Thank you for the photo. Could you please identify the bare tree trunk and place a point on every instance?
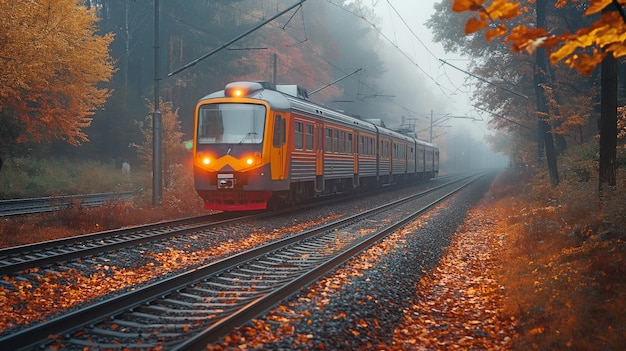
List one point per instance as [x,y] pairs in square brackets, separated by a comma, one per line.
[608,123]
[545,139]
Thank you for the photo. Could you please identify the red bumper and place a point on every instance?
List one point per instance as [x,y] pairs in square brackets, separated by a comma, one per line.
[235,200]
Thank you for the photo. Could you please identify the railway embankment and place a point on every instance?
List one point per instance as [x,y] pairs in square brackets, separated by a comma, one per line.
[562,261]
[528,267]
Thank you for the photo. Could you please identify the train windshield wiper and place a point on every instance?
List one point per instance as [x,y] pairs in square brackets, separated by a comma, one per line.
[251,135]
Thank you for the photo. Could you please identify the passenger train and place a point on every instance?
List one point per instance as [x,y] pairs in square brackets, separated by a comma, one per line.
[260,145]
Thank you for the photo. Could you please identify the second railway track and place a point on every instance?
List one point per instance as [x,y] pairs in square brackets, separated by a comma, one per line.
[194,308]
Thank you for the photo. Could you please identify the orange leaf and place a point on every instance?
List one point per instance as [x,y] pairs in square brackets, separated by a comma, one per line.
[596,6]
[502,9]
[474,25]
[497,32]
[467,5]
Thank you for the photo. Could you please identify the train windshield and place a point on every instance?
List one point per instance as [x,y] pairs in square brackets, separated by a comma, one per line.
[231,124]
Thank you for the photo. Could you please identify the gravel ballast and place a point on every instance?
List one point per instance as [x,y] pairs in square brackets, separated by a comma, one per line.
[393,297]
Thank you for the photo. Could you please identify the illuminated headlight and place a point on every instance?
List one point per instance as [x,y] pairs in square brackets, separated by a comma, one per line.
[251,160]
[203,159]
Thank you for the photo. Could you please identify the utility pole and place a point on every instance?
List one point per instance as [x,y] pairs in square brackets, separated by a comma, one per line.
[275,57]
[157,179]
[430,140]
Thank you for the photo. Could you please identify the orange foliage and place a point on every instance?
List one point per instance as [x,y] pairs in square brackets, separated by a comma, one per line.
[604,36]
[50,63]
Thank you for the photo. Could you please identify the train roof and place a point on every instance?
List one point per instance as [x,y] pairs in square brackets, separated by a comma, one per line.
[287,97]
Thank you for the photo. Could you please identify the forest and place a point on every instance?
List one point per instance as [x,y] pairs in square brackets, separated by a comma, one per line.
[311,46]
[77,81]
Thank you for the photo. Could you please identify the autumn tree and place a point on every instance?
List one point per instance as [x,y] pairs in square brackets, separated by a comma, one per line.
[173,149]
[51,61]
[601,41]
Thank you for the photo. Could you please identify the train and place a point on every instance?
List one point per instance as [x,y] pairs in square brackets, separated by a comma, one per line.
[259,145]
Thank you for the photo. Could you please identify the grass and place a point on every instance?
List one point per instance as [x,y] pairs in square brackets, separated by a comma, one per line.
[32,178]
[29,177]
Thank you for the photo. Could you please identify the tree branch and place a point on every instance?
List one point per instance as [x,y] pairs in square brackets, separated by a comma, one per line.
[620,9]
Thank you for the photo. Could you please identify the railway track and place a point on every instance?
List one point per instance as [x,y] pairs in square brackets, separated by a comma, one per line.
[194,308]
[14,207]
[18,258]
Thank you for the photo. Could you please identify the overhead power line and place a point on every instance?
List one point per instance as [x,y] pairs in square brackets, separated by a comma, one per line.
[194,62]
[486,81]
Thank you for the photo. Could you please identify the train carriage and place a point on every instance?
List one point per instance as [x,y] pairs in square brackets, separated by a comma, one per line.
[256,144]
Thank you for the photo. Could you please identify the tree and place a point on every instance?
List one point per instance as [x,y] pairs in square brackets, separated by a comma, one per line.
[545,141]
[601,41]
[50,64]
[173,151]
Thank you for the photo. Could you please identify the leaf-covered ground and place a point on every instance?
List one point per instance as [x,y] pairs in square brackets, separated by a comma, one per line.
[458,304]
[523,272]
[517,275]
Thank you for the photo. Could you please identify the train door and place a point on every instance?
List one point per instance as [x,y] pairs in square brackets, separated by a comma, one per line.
[319,156]
[278,154]
[377,151]
[390,155]
[354,140]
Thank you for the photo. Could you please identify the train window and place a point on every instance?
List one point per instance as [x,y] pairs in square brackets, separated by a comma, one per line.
[231,123]
[349,144]
[336,142]
[342,142]
[329,140]
[297,137]
[361,145]
[309,137]
[279,131]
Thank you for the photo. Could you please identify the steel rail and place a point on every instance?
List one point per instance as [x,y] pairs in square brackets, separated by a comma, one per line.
[265,303]
[67,324]
[12,207]
[18,258]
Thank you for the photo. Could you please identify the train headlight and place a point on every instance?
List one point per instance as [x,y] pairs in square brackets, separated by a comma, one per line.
[238,92]
[203,159]
[251,160]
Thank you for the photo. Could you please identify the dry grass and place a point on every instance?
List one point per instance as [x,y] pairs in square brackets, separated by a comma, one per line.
[564,265]
[179,200]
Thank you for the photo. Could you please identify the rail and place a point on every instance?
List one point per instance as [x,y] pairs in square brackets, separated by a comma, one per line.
[14,207]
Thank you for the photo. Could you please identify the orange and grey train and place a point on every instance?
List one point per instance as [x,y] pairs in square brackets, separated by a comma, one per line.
[260,145]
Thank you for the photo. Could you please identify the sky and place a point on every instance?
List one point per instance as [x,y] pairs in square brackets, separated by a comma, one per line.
[444,89]
[447,90]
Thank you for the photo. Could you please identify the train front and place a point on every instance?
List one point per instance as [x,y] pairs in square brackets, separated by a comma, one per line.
[232,155]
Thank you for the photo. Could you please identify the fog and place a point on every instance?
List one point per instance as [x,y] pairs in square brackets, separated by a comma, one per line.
[418,89]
